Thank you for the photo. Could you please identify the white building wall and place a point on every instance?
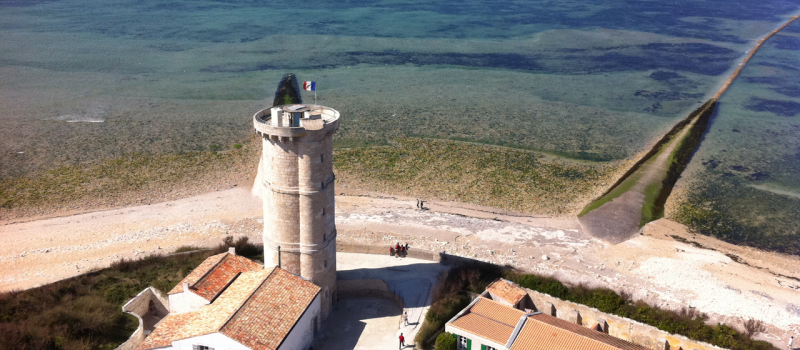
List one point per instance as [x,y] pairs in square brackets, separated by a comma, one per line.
[217,341]
[185,301]
[302,334]
[476,340]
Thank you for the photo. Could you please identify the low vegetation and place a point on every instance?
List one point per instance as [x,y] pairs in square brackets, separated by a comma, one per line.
[84,312]
[445,341]
[456,290]
[494,176]
[132,179]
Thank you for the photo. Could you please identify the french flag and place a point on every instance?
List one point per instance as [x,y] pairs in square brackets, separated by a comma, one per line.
[310,85]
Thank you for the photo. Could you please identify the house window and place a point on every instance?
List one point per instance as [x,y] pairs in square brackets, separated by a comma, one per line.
[201,347]
[490,348]
[463,343]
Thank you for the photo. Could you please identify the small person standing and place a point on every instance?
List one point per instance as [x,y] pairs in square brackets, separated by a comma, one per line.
[402,341]
[405,318]
[791,340]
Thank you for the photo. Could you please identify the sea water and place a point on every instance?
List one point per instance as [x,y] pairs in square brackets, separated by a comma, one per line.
[591,79]
[746,173]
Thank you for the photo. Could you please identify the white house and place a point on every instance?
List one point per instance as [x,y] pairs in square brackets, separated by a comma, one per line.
[493,322]
[227,303]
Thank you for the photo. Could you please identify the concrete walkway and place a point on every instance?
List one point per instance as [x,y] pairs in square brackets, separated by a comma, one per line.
[370,320]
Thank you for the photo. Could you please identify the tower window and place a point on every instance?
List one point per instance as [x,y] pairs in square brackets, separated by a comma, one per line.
[322,185]
[325,263]
[321,158]
[323,211]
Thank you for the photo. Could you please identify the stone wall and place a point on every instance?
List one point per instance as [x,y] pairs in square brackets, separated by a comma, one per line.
[384,250]
[619,327]
[138,307]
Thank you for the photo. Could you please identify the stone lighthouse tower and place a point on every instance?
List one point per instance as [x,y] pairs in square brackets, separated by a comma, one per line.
[297,180]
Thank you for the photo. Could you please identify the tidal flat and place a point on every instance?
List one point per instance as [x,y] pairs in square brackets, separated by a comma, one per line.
[742,184]
[86,82]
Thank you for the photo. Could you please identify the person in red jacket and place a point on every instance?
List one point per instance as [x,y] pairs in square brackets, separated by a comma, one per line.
[402,341]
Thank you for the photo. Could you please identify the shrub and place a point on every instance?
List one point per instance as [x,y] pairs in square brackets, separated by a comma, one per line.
[445,341]
[451,295]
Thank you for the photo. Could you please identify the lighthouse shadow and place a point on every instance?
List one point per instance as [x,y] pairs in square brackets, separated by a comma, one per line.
[410,282]
[364,323]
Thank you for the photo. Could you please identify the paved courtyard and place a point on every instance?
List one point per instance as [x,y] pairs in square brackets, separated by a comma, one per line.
[373,323]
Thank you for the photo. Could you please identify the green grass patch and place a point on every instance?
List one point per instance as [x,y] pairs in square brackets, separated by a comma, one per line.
[649,210]
[130,179]
[616,192]
[187,248]
[84,312]
[473,173]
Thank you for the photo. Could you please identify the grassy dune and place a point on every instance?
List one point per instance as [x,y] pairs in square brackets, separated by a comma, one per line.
[473,173]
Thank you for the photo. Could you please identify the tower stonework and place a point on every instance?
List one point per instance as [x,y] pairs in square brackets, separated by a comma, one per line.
[297,186]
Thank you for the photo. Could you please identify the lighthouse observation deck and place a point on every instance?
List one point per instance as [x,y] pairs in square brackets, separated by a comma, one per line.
[295,121]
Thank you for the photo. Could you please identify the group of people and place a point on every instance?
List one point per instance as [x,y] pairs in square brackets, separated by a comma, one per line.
[398,250]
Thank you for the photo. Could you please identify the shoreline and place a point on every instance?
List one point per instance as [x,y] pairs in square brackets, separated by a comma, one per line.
[654,267]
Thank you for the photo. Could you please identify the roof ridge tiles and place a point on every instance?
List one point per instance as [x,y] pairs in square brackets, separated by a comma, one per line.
[212,268]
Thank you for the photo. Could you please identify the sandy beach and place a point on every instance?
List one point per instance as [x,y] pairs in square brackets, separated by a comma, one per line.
[666,266]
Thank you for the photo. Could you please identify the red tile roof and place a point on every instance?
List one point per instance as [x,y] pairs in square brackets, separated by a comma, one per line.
[215,273]
[545,332]
[259,309]
[490,320]
[272,311]
[507,290]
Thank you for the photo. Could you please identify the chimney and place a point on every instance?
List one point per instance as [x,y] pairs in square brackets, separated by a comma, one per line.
[232,250]
[185,286]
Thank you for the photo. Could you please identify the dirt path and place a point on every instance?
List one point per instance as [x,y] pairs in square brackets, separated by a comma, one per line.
[618,220]
[653,267]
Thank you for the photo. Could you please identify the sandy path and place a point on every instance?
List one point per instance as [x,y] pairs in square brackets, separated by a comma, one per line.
[618,220]
[653,267]
[42,251]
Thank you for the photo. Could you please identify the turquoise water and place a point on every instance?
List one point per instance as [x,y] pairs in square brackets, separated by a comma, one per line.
[88,79]
[746,173]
